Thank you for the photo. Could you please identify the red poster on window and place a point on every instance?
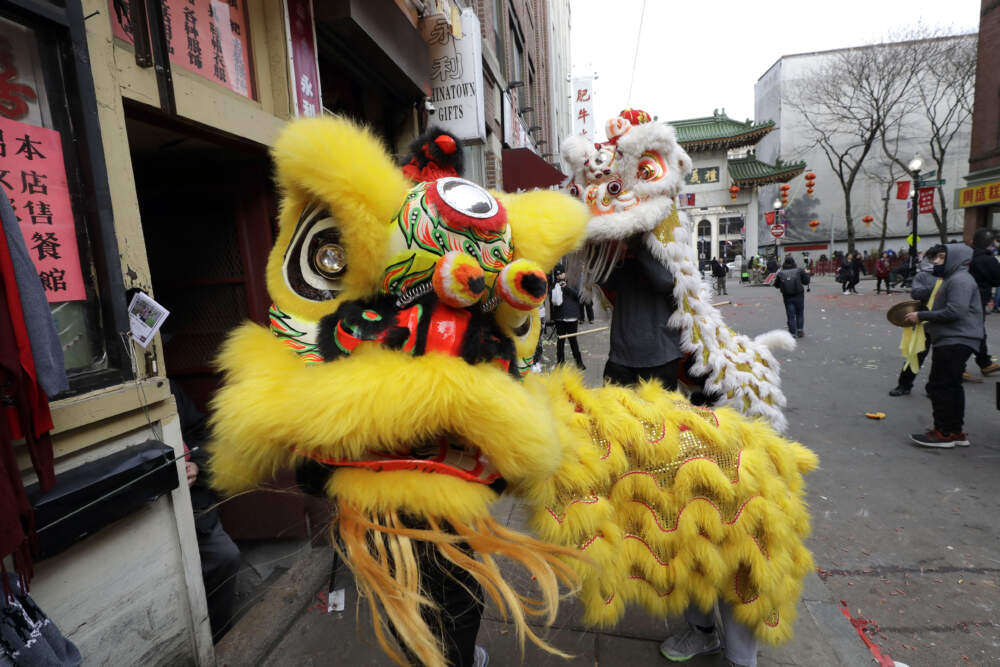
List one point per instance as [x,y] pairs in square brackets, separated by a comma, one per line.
[925,200]
[34,175]
[207,37]
[305,72]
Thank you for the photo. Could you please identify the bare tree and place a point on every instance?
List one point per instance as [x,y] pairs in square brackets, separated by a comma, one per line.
[849,101]
[946,92]
[941,106]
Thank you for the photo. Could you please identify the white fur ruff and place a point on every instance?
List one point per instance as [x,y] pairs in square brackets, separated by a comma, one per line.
[702,330]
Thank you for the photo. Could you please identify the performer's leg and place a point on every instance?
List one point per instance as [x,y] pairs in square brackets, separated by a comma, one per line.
[618,374]
[790,314]
[666,374]
[574,346]
[698,638]
[799,301]
[739,640]
[561,328]
[459,600]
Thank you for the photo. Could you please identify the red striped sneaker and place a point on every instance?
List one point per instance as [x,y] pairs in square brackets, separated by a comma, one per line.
[960,439]
[933,438]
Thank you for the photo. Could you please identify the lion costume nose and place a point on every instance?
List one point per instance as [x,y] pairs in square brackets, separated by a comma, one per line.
[458,280]
[522,284]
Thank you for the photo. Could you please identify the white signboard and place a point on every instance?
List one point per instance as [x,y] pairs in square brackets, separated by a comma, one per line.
[583,106]
[457,77]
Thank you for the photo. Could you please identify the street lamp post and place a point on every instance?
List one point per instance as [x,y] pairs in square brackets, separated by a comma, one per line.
[777,239]
[914,166]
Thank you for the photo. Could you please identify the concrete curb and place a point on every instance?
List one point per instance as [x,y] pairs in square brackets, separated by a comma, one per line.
[824,612]
[259,631]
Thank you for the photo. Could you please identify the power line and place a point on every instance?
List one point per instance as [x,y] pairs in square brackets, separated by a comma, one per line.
[635,59]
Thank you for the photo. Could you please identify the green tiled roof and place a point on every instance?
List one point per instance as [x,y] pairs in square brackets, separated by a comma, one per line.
[749,171]
[719,132]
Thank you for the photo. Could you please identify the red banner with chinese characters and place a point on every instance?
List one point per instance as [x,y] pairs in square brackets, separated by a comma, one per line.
[925,200]
[207,37]
[34,175]
[305,72]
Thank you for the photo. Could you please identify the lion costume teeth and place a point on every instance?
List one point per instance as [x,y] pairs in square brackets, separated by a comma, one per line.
[415,413]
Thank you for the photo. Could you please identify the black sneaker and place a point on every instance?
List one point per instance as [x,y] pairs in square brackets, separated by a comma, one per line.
[899,391]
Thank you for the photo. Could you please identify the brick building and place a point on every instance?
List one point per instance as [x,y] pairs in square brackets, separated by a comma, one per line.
[981,197]
[520,68]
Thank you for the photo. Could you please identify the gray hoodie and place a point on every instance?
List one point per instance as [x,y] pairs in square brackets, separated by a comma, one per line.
[957,317]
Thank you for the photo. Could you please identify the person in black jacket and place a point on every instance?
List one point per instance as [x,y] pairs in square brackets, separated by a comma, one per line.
[220,557]
[986,270]
[792,282]
[719,271]
[566,314]
[857,269]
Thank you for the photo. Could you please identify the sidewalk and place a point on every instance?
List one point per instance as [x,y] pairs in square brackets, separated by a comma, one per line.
[290,626]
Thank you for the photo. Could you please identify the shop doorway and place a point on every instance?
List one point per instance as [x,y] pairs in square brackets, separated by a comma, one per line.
[207,206]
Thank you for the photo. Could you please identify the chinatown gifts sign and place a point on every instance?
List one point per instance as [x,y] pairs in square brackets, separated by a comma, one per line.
[456,51]
[33,174]
[305,69]
[925,200]
[583,107]
[207,37]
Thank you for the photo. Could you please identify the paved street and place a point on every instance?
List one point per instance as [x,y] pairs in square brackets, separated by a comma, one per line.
[906,537]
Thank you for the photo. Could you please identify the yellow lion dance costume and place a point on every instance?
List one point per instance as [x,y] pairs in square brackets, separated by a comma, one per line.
[402,329]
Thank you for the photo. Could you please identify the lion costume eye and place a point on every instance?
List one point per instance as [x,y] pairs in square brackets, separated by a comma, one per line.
[615,187]
[315,261]
[328,259]
[651,167]
[574,190]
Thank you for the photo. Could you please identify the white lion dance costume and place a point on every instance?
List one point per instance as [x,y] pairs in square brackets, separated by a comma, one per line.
[630,184]
[396,364]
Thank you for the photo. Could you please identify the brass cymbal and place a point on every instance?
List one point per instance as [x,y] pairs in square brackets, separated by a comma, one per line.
[897,312]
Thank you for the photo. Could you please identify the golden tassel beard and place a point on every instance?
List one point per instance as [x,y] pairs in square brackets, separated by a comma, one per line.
[380,550]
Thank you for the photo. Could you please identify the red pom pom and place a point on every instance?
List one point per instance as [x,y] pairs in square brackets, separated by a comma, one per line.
[446,144]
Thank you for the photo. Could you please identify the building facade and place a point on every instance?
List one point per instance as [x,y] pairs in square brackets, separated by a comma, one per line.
[160,126]
[721,194]
[980,199]
[873,194]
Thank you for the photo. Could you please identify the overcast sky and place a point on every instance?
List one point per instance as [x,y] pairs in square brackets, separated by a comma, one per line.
[700,55]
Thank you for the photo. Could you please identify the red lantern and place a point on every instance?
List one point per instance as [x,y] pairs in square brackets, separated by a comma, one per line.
[734,190]
[867,220]
[814,223]
[811,176]
[785,187]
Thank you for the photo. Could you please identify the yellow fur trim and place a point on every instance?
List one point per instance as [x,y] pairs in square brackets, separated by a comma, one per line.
[413,493]
[545,224]
[374,400]
[346,168]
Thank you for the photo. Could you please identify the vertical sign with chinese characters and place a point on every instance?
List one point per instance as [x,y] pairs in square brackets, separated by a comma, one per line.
[583,107]
[34,176]
[925,200]
[457,76]
[207,37]
[302,48]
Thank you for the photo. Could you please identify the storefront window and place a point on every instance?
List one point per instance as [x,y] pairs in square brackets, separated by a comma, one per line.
[34,176]
[208,37]
[48,175]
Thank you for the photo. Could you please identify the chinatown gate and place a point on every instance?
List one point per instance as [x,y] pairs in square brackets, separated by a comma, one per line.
[725,217]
